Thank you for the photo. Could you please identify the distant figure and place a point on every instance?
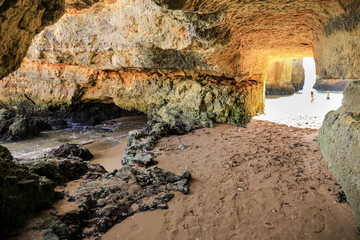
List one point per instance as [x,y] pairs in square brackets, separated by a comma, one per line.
[312,96]
[327,95]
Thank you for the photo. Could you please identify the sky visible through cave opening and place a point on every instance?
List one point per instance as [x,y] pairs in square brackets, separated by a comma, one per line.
[302,110]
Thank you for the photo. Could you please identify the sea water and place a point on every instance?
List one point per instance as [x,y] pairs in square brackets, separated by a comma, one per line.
[113,132]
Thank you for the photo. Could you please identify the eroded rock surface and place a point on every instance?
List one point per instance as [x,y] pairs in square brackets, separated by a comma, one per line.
[285,77]
[21,193]
[164,95]
[20,21]
[103,199]
[339,139]
[337,47]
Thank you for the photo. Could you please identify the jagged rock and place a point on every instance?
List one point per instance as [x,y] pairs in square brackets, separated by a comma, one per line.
[26,127]
[22,193]
[179,100]
[20,21]
[16,127]
[339,140]
[141,159]
[111,198]
[70,151]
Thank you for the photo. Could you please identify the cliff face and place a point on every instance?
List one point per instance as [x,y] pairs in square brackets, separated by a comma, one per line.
[337,49]
[285,77]
[19,22]
[165,95]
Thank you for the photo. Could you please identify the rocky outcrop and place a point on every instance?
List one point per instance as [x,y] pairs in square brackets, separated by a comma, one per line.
[164,95]
[285,77]
[15,126]
[330,85]
[236,38]
[22,193]
[337,47]
[339,139]
[103,199]
[20,21]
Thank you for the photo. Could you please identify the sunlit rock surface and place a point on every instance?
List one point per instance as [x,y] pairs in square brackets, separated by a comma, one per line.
[339,139]
[337,48]
[285,77]
[165,95]
[19,22]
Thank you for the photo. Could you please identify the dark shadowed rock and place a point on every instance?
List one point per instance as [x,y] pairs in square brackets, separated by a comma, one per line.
[21,193]
[70,151]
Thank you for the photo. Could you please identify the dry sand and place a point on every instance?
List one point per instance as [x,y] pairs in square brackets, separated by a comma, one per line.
[265,181]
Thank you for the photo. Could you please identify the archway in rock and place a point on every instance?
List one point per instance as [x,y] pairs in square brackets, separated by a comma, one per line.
[304,107]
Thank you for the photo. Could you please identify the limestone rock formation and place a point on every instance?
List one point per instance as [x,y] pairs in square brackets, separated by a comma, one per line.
[165,95]
[330,85]
[285,77]
[337,48]
[20,21]
[339,139]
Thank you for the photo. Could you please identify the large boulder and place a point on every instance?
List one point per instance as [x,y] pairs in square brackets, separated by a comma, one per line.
[21,193]
[339,139]
[17,127]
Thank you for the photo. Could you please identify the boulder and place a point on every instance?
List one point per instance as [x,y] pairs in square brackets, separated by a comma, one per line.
[70,151]
[339,140]
[21,193]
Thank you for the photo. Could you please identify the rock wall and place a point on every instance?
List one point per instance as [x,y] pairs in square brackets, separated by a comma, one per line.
[337,48]
[165,95]
[339,139]
[285,77]
[125,33]
[19,22]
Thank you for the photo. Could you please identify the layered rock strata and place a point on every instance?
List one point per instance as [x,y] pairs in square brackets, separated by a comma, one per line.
[285,77]
[339,139]
[195,98]
[20,21]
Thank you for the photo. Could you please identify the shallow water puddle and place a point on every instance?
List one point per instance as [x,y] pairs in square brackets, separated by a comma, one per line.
[112,132]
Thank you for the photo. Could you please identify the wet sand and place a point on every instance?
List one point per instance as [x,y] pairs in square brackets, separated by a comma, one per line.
[265,181]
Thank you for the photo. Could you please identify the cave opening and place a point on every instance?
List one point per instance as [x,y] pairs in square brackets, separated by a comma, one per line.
[304,105]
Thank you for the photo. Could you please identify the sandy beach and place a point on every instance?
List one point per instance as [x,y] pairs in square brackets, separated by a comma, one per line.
[265,181]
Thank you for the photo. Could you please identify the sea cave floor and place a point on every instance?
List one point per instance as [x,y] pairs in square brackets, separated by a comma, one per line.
[265,181]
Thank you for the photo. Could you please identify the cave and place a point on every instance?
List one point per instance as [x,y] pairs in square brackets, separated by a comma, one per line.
[201,71]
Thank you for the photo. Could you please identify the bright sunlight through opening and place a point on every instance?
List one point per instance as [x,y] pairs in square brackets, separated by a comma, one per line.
[306,108]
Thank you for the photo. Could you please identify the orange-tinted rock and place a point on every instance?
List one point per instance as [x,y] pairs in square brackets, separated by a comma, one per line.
[165,95]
